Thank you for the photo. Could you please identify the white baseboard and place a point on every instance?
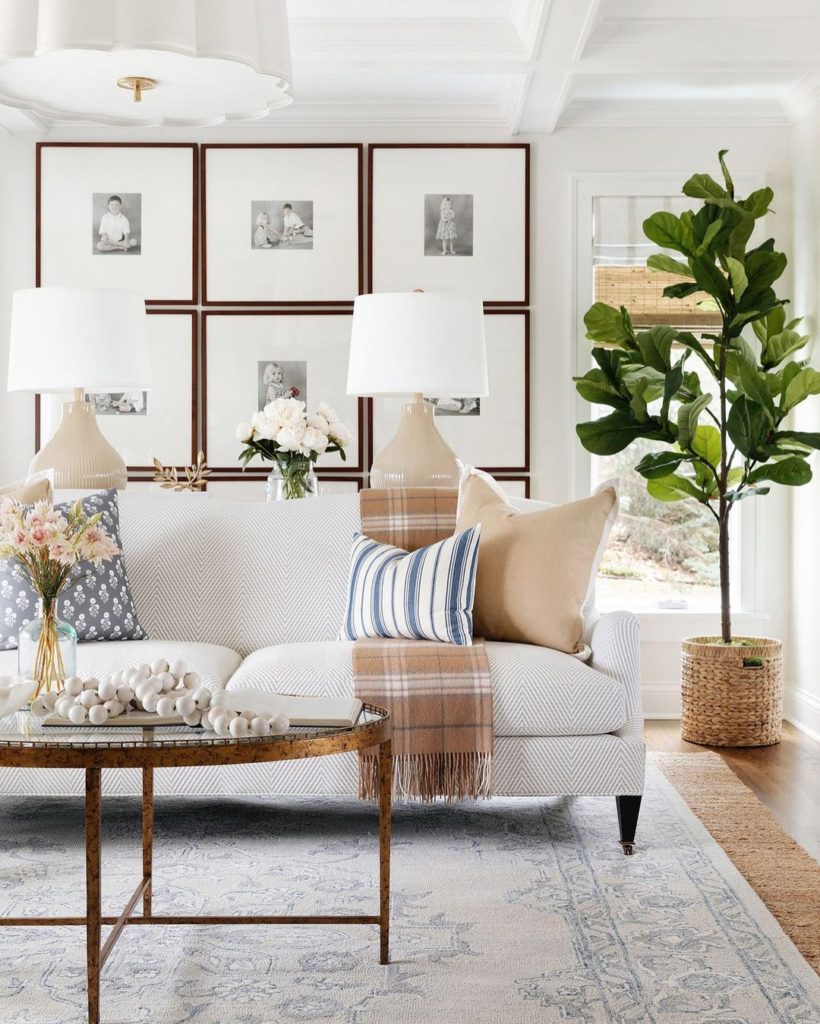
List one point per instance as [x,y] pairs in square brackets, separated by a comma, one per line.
[802,709]
[661,700]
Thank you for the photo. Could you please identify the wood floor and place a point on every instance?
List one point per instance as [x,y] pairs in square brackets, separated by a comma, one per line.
[785,777]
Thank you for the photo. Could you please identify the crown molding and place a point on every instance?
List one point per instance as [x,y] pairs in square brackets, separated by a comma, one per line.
[671,113]
[803,98]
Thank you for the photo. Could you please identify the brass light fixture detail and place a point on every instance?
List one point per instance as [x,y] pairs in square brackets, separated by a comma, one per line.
[136,84]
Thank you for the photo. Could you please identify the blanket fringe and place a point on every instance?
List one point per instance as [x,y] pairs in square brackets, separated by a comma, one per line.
[425,777]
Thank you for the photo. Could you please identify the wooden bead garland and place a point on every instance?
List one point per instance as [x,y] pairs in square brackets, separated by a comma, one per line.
[161,688]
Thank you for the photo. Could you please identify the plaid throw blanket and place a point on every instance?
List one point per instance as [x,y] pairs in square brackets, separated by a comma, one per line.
[439,695]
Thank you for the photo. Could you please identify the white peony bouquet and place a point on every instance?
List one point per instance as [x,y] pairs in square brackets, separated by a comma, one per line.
[284,433]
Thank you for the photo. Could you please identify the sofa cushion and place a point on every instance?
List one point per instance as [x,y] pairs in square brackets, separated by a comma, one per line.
[535,571]
[425,594]
[97,601]
[240,573]
[215,664]
[536,691]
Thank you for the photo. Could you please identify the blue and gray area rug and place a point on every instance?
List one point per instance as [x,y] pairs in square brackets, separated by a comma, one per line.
[509,912]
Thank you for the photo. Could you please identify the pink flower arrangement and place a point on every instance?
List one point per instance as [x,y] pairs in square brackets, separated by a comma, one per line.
[47,544]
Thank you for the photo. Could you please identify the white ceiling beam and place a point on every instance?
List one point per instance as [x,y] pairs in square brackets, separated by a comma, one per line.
[626,45]
[569,27]
[408,44]
[684,113]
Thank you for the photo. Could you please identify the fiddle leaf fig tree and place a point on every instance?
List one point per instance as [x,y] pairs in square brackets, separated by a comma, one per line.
[729,439]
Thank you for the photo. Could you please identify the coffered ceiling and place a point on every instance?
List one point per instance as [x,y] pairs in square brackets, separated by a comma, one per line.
[542,65]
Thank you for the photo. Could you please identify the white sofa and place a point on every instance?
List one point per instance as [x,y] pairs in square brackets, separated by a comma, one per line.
[252,595]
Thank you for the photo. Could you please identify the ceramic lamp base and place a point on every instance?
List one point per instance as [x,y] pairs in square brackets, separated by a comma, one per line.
[79,455]
[418,456]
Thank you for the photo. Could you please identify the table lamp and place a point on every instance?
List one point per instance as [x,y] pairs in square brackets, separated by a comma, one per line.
[424,344]
[85,339]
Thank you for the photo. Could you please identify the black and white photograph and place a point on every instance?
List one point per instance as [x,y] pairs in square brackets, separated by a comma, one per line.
[448,224]
[284,225]
[304,199]
[450,217]
[98,202]
[250,358]
[455,406]
[117,223]
[119,403]
[285,378]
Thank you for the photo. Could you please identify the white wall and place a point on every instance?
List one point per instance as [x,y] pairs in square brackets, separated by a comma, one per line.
[803,697]
[554,445]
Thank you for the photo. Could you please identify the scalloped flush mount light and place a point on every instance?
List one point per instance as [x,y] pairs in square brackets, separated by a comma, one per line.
[145,62]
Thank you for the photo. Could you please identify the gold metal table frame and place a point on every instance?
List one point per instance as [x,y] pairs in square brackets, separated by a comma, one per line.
[149,752]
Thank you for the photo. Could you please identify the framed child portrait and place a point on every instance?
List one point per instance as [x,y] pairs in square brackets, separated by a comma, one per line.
[450,217]
[252,357]
[282,224]
[160,422]
[119,215]
[491,432]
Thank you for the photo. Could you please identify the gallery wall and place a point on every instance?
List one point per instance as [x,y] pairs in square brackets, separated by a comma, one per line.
[555,452]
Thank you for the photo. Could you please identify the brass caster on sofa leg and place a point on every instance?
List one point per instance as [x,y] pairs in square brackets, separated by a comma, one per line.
[628,848]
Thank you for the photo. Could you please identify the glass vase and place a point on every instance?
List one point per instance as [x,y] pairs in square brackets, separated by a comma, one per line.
[47,650]
[294,480]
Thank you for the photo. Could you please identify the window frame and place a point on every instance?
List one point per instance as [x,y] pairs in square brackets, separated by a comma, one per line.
[746,581]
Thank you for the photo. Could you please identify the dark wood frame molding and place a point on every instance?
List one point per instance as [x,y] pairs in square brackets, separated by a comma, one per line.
[525,146]
[193,146]
[227,472]
[135,471]
[505,471]
[323,476]
[516,477]
[358,146]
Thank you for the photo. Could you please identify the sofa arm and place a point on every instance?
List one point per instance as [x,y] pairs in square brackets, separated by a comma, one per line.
[616,651]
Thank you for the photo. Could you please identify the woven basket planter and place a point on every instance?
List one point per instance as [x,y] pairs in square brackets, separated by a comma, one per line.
[731,696]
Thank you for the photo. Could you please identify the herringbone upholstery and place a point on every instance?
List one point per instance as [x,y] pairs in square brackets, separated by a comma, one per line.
[242,574]
[536,692]
[246,576]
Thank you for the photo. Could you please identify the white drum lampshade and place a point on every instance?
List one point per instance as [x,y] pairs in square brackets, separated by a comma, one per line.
[421,344]
[80,339]
[184,62]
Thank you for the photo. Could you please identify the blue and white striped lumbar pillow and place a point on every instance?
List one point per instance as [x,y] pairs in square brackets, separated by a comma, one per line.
[419,595]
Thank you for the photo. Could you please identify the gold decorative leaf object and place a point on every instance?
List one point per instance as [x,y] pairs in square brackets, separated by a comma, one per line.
[196,476]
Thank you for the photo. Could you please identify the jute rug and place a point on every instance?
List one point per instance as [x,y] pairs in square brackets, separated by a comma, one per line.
[504,912]
[780,871]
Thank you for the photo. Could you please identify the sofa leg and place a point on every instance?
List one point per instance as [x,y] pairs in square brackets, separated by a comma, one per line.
[629,807]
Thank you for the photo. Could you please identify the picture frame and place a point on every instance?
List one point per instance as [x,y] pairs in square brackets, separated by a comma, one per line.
[492,433]
[159,423]
[515,486]
[310,347]
[282,224]
[450,217]
[119,215]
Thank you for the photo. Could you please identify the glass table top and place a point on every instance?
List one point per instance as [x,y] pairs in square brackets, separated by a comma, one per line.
[24,730]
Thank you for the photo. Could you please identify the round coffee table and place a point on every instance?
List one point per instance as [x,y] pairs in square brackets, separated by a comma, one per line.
[26,743]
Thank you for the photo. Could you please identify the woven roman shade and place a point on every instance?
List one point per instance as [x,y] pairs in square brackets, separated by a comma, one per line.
[641,291]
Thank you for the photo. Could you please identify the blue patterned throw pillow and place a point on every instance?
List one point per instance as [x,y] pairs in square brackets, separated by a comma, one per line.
[420,595]
[97,601]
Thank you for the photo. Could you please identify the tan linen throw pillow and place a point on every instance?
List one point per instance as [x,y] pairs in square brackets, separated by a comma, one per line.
[534,568]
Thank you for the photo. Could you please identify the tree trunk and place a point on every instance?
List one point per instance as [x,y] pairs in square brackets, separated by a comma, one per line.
[724,507]
[725,596]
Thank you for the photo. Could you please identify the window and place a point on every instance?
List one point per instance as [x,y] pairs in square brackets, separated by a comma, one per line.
[661,555]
